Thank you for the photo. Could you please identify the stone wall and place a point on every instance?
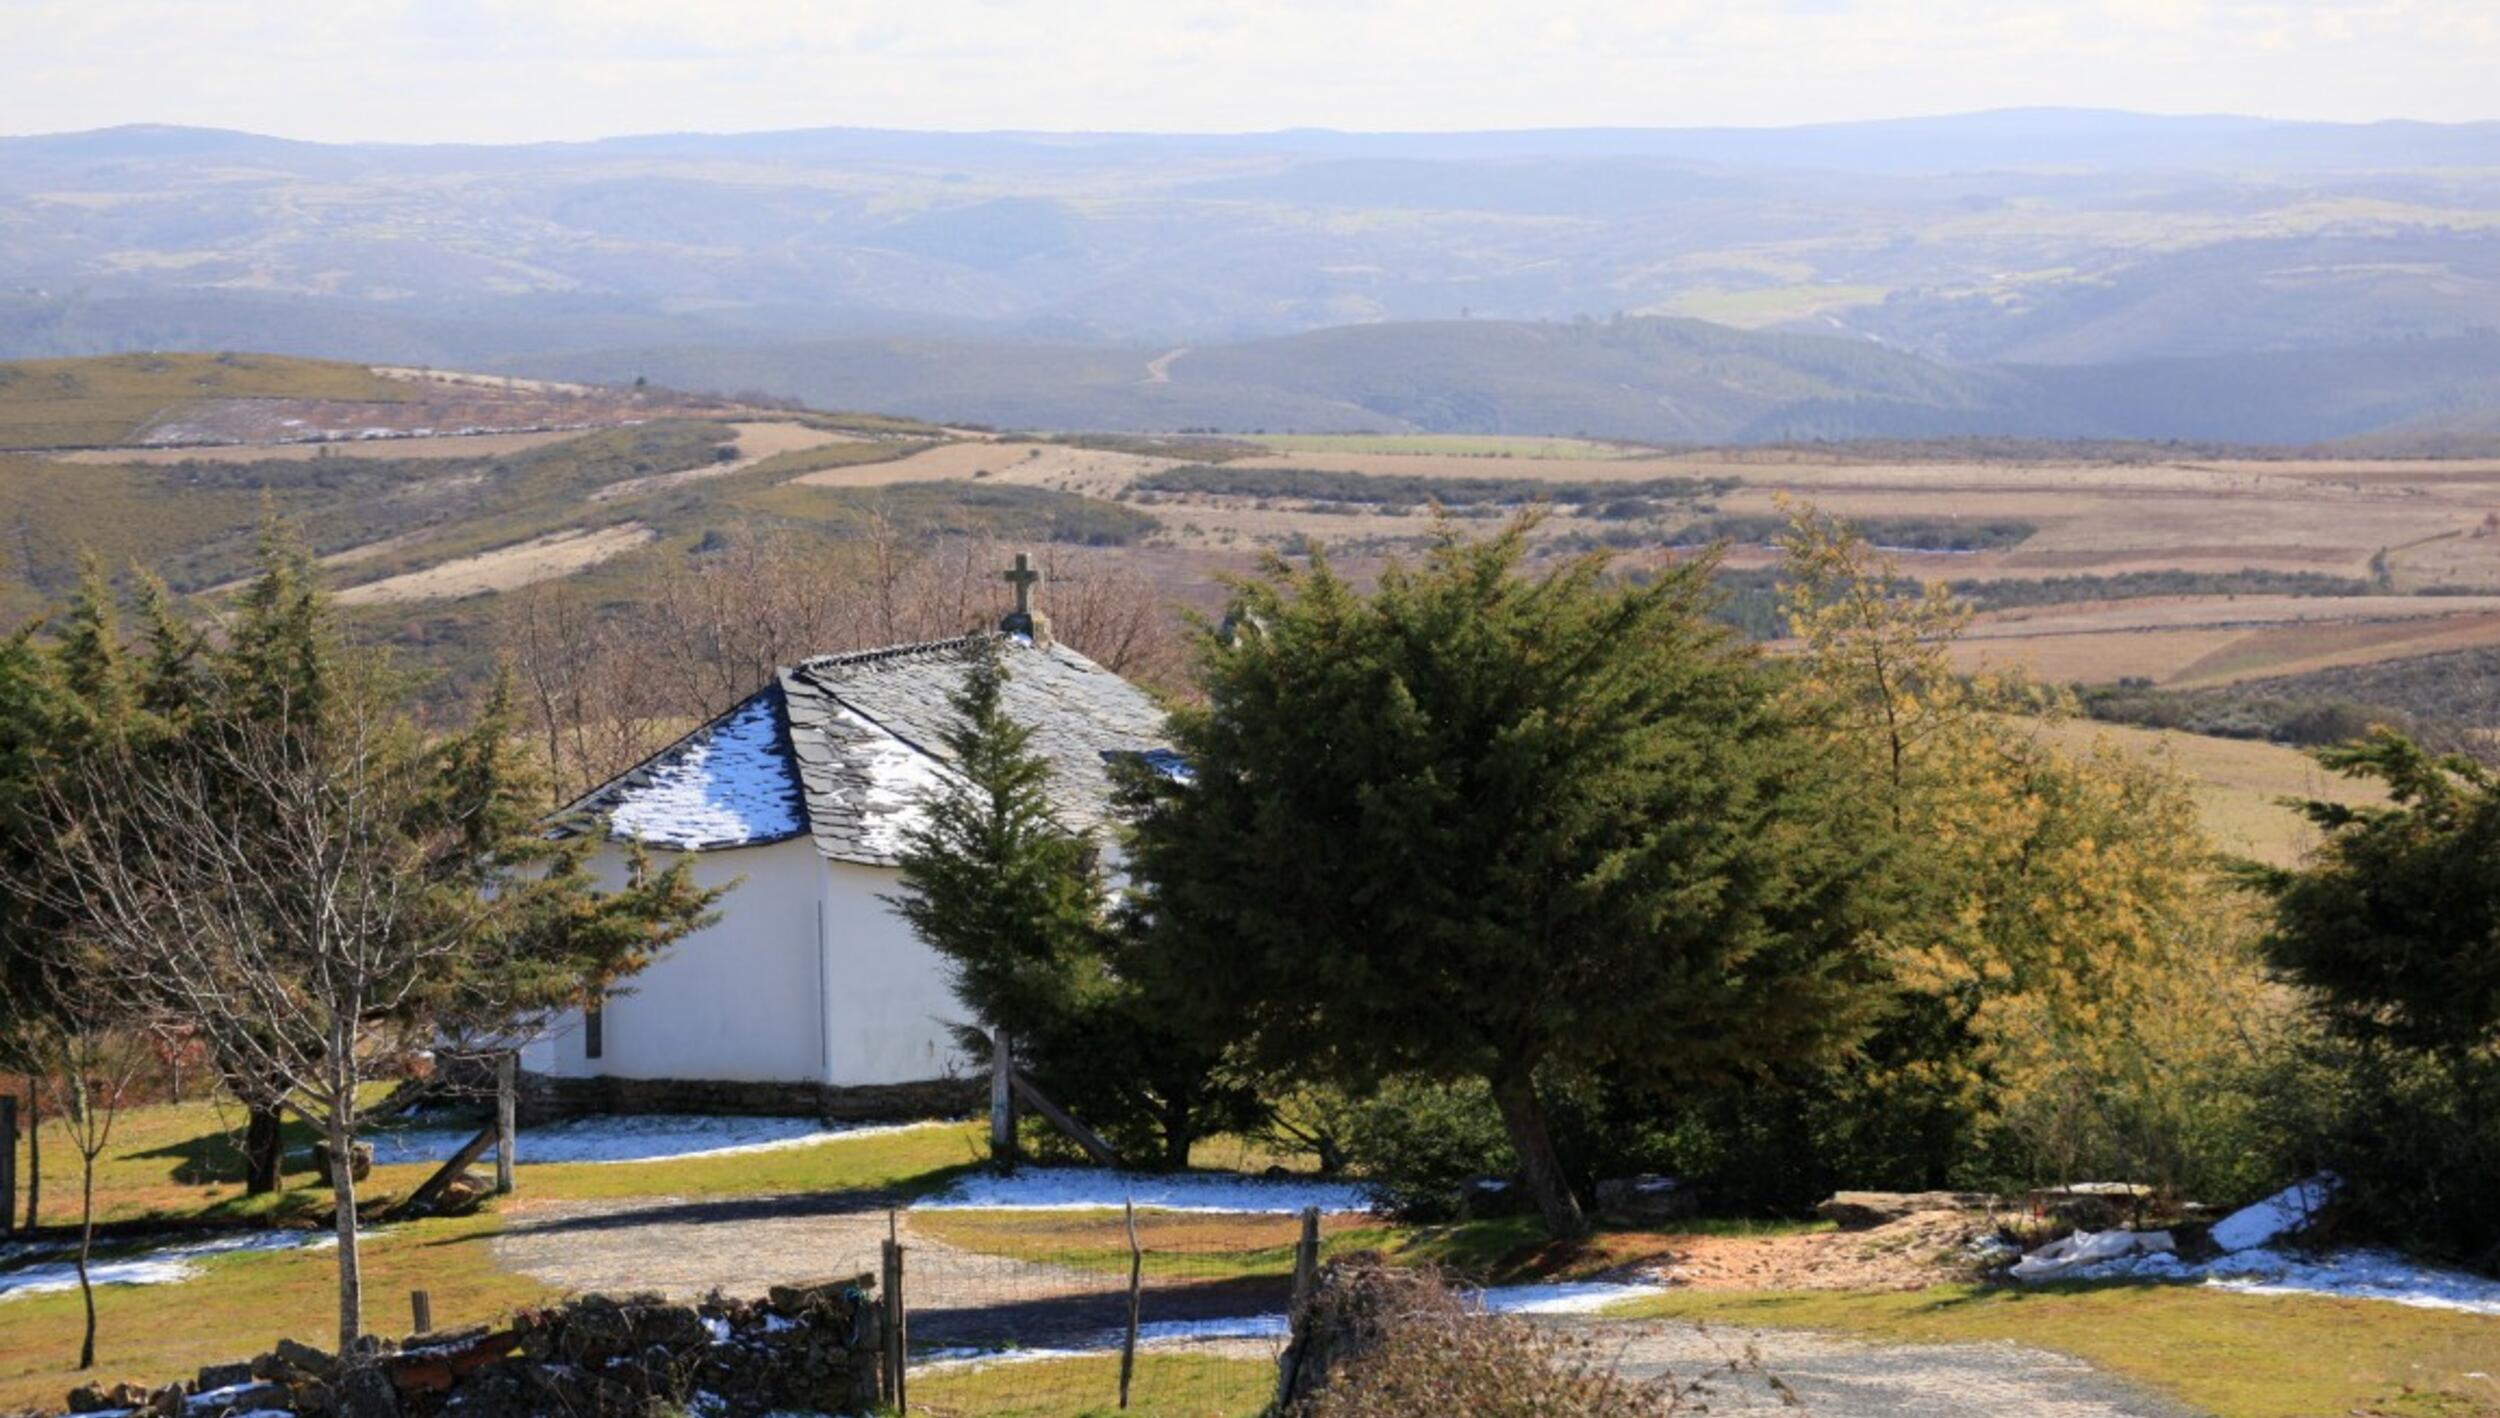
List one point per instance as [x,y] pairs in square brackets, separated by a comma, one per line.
[805,1348]
[545,1097]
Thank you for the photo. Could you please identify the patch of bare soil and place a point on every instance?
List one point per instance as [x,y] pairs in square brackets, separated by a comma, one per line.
[504,568]
[1909,1254]
[686,1248]
[1093,472]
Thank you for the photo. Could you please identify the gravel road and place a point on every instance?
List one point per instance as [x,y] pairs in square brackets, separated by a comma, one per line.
[1794,1372]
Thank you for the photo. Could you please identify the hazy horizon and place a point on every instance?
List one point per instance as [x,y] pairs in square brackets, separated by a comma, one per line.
[498,72]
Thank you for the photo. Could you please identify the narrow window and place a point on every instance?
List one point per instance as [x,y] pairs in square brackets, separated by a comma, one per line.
[594,1032]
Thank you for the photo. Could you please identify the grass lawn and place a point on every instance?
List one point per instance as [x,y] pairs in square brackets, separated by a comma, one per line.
[182,1162]
[2237,1356]
[241,1304]
[915,1161]
[1165,1385]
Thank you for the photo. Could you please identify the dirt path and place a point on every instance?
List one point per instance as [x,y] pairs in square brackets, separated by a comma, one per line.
[685,1249]
[1742,1371]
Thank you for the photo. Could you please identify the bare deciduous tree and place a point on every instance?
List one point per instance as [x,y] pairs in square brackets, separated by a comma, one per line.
[317,893]
[93,1059]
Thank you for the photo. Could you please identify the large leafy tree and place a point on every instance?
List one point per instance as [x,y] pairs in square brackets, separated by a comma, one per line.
[1018,905]
[1489,824]
[2068,971]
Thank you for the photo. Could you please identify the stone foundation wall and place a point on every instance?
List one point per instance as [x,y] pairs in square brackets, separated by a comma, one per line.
[545,1098]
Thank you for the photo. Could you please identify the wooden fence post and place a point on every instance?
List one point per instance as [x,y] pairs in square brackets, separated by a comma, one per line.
[507,1106]
[1136,1277]
[8,1164]
[1305,1260]
[897,1321]
[1002,1101]
[421,1312]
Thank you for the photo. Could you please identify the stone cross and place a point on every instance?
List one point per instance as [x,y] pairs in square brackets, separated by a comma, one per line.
[1023,578]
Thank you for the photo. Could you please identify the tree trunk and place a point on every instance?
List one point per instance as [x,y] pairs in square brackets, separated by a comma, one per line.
[34,1156]
[1177,1137]
[264,1150]
[342,1139]
[1523,1117]
[86,1247]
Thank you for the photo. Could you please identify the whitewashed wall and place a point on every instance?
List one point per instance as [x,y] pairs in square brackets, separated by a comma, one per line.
[807,977]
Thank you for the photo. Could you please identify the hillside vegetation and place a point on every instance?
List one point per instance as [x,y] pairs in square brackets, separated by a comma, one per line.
[94,403]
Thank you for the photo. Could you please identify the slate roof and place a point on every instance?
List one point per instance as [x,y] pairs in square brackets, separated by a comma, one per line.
[842,746]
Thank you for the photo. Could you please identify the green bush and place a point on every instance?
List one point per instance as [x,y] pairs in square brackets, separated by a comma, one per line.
[1421,1144]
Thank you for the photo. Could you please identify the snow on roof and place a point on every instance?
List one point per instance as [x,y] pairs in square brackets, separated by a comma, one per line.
[727,784]
[845,747]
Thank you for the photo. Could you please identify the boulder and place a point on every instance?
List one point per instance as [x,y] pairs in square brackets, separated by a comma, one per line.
[359,1162]
[106,1398]
[1645,1200]
[798,1299]
[1857,1211]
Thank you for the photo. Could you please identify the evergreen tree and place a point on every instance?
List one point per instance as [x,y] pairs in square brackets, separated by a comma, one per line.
[1017,905]
[1482,824]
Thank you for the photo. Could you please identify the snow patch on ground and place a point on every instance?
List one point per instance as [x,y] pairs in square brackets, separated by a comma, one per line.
[2289,1210]
[1092,1189]
[2350,1275]
[166,1265]
[648,1137]
[1581,1298]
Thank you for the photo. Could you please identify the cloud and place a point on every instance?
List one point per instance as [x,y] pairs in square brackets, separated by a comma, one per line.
[502,70]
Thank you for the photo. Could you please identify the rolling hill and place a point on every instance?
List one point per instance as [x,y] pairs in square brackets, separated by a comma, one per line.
[1652,379]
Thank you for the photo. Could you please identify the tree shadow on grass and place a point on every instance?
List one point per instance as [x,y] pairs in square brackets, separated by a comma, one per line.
[215,1157]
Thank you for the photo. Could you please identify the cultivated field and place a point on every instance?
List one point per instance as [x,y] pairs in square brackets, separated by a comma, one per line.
[503,569]
[2240,784]
[1089,471]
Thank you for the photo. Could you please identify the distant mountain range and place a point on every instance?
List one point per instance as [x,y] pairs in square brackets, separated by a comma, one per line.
[2041,271]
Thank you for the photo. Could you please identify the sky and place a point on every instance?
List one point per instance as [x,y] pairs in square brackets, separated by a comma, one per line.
[521,70]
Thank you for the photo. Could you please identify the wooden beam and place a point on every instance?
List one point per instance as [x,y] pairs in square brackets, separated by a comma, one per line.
[1059,1118]
[423,1198]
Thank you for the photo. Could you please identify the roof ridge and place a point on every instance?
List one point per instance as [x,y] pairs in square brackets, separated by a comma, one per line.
[891,652]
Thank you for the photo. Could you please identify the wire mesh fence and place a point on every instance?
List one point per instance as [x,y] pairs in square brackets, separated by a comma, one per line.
[1179,1315]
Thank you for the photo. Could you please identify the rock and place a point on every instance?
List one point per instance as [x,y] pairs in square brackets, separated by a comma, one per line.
[1645,1200]
[359,1161]
[169,1401]
[796,1300]
[365,1391]
[106,1398]
[1491,1196]
[237,1399]
[217,1376]
[666,1327]
[1856,1211]
[465,1194]
[302,1358]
